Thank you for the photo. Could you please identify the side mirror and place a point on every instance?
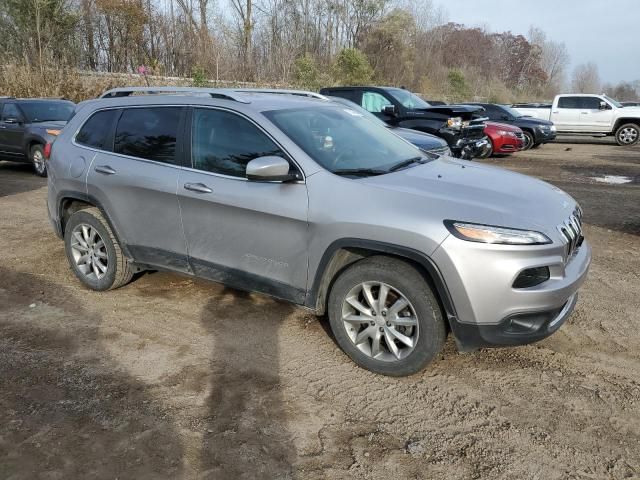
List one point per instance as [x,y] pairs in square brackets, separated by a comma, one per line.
[13,120]
[269,169]
[603,105]
[390,110]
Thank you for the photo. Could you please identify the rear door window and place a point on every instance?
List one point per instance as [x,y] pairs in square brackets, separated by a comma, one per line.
[569,102]
[96,131]
[150,133]
[10,110]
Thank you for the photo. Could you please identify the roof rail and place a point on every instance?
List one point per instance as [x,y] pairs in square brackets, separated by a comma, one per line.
[282,91]
[223,93]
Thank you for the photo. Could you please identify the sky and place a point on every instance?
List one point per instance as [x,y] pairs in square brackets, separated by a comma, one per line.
[606,32]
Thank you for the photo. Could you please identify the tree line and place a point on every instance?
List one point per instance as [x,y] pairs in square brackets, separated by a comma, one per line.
[306,43]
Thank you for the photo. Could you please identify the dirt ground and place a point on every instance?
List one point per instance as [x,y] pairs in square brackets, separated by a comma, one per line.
[171,377]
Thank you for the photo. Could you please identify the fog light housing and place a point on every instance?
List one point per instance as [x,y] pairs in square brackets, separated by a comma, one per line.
[532,277]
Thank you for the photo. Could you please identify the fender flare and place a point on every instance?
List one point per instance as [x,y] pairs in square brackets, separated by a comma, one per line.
[321,284]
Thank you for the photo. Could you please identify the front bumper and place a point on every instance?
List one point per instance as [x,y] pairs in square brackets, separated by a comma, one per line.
[489,311]
[472,148]
[544,136]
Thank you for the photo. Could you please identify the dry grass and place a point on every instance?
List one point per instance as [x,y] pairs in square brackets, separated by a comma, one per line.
[25,81]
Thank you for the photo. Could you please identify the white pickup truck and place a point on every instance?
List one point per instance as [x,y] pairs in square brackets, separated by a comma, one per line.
[597,115]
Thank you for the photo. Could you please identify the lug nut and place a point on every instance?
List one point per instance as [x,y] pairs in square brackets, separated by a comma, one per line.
[373,323]
[388,324]
[384,313]
[381,329]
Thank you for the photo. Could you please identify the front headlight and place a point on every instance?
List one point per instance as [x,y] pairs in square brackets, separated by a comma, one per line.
[553,128]
[454,122]
[474,232]
[506,133]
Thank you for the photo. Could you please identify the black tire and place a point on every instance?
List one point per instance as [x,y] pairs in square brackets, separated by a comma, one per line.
[407,280]
[118,270]
[36,155]
[529,141]
[489,152]
[628,134]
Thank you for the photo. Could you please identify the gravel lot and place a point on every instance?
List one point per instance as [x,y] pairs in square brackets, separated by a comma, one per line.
[171,377]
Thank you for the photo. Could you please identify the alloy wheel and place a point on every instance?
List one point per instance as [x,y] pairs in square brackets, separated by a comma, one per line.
[38,161]
[380,321]
[89,251]
[628,135]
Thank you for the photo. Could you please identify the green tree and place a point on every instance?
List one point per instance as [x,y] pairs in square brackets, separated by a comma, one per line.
[306,72]
[352,67]
[458,88]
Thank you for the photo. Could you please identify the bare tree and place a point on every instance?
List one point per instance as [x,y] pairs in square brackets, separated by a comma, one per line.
[586,78]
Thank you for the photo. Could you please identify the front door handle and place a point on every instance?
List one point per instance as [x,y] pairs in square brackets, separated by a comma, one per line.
[197,187]
[106,169]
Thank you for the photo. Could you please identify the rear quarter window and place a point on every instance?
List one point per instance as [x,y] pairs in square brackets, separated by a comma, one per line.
[96,131]
[569,102]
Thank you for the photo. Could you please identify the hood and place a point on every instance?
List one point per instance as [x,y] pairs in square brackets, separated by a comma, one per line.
[502,126]
[531,122]
[419,139]
[633,110]
[58,124]
[460,190]
[464,111]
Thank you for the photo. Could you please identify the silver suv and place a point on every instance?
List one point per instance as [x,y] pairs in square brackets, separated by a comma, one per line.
[308,201]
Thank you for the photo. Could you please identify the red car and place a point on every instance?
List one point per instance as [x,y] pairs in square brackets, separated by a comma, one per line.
[504,139]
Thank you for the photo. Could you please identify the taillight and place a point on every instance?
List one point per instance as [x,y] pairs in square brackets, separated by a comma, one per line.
[47,150]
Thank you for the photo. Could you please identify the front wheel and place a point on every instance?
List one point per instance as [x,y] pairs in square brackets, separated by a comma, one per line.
[385,317]
[528,139]
[628,134]
[38,160]
[488,152]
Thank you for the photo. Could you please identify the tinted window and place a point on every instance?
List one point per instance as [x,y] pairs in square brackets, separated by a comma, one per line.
[48,111]
[374,102]
[223,142]
[590,103]
[569,102]
[148,133]
[95,132]
[10,110]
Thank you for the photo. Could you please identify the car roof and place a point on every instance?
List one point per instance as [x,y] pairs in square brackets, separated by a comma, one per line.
[237,99]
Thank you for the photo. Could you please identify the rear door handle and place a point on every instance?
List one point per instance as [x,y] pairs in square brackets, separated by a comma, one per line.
[106,169]
[197,187]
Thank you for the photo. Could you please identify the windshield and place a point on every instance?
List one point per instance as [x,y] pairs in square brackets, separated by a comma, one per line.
[47,111]
[343,141]
[512,112]
[615,103]
[407,99]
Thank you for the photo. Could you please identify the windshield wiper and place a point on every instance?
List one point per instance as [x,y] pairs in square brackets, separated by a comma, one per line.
[360,172]
[406,163]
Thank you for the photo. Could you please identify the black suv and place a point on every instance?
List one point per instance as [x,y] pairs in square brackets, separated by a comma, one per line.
[536,131]
[27,125]
[460,125]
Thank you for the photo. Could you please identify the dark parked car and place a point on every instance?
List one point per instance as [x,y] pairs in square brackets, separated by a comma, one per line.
[630,104]
[28,125]
[536,131]
[400,108]
[425,141]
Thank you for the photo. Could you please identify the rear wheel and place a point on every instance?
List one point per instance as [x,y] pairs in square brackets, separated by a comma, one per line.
[38,160]
[628,134]
[528,139]
[385,317]
[93,251]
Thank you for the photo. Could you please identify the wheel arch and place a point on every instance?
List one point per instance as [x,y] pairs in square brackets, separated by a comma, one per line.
[623,121]
[344,252]
[69,202]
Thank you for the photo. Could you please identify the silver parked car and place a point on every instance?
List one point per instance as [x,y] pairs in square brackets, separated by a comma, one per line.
[307,201]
